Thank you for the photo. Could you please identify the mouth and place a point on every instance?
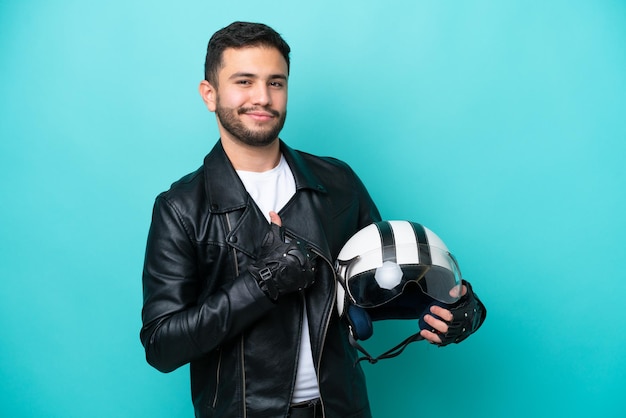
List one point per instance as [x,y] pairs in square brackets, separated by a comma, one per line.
[259,115]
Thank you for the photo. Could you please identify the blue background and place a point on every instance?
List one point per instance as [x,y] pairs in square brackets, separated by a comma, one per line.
[498,124]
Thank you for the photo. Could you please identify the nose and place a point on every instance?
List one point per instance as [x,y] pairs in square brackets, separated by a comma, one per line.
[261,95]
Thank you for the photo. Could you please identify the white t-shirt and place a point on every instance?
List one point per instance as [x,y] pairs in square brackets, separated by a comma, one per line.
[271,190]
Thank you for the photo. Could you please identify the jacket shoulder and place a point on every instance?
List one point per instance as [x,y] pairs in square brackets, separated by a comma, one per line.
[329,169]
[187,182]
[323,161]
[187,192]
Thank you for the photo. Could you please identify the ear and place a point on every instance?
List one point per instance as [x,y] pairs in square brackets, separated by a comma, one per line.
[208,94]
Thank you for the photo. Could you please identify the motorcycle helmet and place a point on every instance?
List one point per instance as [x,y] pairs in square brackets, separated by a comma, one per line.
[393,270]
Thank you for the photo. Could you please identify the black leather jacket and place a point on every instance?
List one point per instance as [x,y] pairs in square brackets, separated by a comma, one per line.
[201,306]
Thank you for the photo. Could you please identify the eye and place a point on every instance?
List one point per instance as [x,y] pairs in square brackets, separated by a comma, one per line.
[243,82]
[277,84]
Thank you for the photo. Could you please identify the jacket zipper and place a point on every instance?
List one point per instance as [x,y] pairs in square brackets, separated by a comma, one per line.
[217,378]
[243,378]
[241,346]
[219,360]
[334,296]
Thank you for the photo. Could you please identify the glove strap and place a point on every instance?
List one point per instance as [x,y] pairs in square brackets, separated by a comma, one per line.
[267,285]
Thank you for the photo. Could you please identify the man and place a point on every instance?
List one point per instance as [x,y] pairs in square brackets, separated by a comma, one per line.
[238,276]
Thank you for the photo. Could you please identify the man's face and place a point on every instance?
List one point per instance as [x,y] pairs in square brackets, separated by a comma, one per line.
[251,96]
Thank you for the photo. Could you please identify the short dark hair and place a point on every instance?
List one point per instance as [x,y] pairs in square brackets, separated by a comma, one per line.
[240,35]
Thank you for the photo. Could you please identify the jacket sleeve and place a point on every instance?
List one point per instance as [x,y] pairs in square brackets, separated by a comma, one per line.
[177,327]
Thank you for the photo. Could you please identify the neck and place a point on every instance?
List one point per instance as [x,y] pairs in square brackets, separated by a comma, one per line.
[250,158]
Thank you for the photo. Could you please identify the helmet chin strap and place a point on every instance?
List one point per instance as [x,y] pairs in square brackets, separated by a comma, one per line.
[393,352]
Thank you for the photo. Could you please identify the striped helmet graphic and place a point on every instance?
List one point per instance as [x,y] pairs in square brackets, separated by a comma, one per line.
[380,261]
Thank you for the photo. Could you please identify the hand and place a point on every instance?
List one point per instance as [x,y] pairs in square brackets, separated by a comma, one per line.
[453,323]
[439,325]
[282,267]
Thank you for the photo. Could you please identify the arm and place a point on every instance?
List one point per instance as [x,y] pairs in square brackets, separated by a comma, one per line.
[178,325]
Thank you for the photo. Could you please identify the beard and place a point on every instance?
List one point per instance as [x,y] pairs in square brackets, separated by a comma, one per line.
[264,135]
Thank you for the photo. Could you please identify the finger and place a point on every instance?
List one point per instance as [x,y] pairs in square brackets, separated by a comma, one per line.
[431,337]
[458,291]
[437,324]
[442,313]
[275,219]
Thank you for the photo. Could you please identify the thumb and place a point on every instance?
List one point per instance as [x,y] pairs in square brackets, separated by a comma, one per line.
[275,219]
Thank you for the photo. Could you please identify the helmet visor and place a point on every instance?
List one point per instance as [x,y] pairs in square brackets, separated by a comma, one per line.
[375,278]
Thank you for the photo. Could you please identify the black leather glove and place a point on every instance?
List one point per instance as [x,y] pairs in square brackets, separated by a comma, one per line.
[283,267]
[468,314]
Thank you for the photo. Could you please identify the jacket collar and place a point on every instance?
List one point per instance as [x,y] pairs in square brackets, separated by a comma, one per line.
[226,192]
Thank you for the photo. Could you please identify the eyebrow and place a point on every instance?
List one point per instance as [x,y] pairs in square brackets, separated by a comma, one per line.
[252,75]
